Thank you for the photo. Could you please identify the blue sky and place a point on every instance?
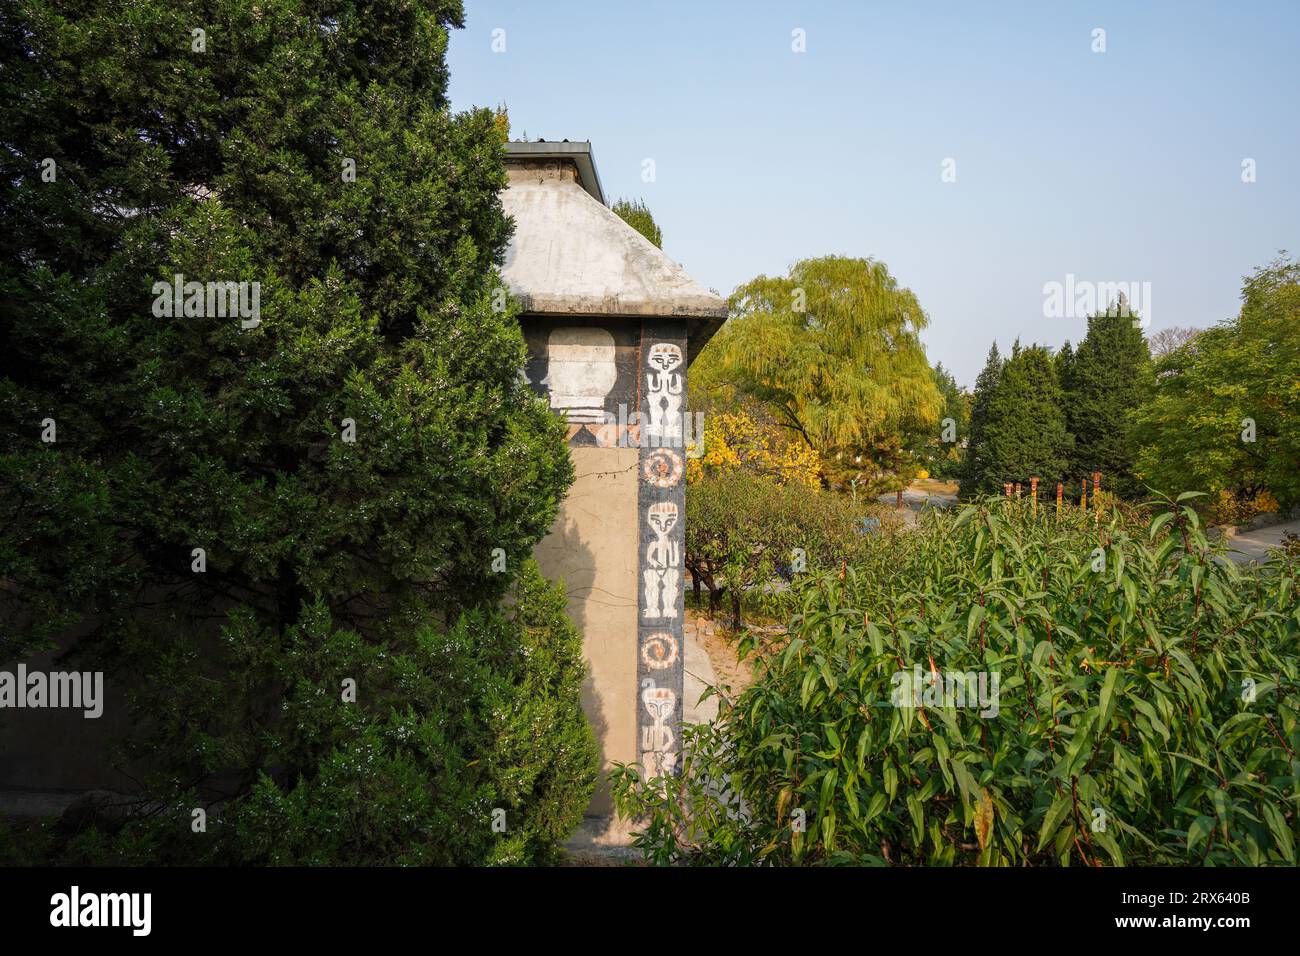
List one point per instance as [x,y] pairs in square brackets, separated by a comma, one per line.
[1114,167]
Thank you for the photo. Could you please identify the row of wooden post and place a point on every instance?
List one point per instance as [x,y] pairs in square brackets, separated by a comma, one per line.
[1008,486]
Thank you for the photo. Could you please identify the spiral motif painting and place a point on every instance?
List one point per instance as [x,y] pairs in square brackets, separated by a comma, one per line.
[662,468]
[659,651]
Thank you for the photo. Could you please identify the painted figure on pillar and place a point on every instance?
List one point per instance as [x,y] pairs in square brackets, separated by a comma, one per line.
[663,558]
[665,394]
[658,739]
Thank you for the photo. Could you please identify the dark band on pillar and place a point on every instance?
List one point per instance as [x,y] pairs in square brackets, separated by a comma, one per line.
[661,504]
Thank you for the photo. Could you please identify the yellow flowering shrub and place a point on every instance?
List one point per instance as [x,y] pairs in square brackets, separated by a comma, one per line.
[1231,507]
[736,440]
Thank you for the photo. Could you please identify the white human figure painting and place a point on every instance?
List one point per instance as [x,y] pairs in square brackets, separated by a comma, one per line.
[580,372]
[657,740]
[663,557]
[665,392]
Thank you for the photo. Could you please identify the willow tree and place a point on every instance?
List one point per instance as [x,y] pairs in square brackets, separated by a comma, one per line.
[834,349]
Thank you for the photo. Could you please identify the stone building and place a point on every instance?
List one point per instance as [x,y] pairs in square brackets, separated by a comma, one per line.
[612,325]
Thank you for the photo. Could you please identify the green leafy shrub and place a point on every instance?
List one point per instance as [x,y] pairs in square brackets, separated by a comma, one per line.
[1147,711]
[742,532]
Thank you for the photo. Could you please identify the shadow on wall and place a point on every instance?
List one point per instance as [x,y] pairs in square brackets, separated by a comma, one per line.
[593,549]
[580,588]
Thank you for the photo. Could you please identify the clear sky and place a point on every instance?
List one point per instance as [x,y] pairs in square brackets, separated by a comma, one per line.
[1122,166]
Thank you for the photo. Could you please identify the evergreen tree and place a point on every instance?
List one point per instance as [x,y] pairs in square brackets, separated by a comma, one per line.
[1025,432]
[1065,367]
[246,512]
[976,472]
[1022,428]
[1109,378]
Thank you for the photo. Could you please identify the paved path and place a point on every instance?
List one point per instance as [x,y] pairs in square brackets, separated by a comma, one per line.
[699,675]
[1254,545]
[35,803]
[915,498]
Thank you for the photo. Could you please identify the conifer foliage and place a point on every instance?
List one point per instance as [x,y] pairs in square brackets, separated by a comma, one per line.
[1106,381]
[1018,427]
[1062,417]
[248,500]
[636,214]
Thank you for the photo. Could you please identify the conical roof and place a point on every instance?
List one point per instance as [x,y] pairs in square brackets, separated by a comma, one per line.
[571,255]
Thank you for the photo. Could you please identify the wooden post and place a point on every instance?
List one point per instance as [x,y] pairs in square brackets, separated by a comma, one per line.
[1060,496]
[1006,488]
[898,499]
[1096,487]
[1033,492]
[1083,495]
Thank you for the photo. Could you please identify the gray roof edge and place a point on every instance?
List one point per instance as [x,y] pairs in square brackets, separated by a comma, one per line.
[695,308]
[579,153]
[701,324]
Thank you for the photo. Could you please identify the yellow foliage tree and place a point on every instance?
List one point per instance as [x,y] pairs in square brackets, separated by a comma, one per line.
[736,440]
